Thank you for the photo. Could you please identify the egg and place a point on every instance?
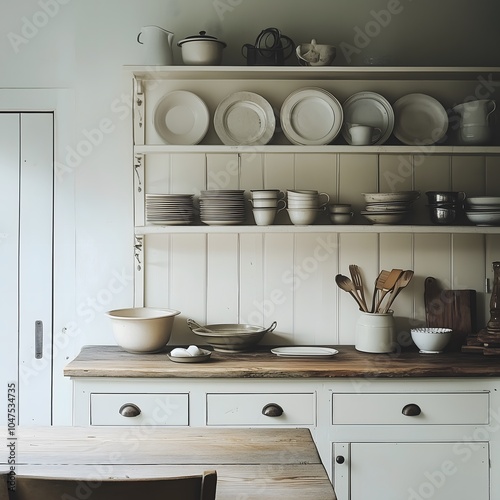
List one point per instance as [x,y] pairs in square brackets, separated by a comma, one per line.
[180,352]
[194,351]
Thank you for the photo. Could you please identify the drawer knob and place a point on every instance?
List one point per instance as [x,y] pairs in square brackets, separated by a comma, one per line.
[272,410]
[339,459]
[129,410]
[411,410]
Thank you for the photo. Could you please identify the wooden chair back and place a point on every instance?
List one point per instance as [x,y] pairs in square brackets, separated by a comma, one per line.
[197,487]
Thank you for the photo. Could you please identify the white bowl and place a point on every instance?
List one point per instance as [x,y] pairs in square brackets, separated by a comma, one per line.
[384,217]
[314,54]
[340,208]
[340,218]
[302,216]
[264,216]
[142,329]
[485,218]
[431,340]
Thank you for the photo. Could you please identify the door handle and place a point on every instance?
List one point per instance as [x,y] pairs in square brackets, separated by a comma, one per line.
[38,339]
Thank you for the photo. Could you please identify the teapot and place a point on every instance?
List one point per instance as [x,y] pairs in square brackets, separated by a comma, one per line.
[474,121]
[156,46]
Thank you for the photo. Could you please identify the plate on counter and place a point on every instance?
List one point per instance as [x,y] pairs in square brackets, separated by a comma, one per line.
[191,359]
[244,118]
[181,118]
[304,352]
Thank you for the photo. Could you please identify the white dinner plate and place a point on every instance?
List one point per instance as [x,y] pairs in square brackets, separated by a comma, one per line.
[368,108]
[419,120]
[311,116]
[304,351]
[244,118]
[181,117]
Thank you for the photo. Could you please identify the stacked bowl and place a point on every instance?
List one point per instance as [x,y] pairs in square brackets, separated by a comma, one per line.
[388,208]
[266,203]
[445,206]
[303,206]
[222,207]
[340,213]
[483,210]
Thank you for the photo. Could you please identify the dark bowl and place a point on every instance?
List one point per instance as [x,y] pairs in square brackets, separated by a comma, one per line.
[442,215]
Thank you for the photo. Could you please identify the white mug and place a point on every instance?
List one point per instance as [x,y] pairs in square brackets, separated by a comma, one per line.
[363,135]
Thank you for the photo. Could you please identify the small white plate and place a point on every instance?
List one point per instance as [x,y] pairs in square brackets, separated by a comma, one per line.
[181,117]
[244,118]
[420,120]
[304,351]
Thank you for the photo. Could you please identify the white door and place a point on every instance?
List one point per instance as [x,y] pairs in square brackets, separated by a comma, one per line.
[26,267]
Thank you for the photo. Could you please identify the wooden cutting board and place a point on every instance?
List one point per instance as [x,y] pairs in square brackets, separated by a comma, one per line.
[454,309]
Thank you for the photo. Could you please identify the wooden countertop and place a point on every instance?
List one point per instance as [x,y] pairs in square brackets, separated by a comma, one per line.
[262,464]
[112,361]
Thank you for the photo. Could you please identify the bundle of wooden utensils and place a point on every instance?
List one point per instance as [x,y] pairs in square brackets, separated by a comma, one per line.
[387,287]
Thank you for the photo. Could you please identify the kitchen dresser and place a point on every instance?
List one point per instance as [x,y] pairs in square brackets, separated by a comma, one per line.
[255,274]
[443,444]
[392,426]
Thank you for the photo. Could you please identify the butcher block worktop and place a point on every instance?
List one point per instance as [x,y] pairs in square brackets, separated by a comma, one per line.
[112,361]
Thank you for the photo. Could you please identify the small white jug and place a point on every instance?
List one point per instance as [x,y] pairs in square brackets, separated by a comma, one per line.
[475,112]
[156,46]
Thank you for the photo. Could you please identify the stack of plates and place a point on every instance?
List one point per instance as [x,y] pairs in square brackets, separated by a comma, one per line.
[169,209]
[311,116]
[388,208]
[222,207]
[484,210]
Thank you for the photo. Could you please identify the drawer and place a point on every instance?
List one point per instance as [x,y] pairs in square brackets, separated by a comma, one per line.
[247,409]
[139,409]
[433,409]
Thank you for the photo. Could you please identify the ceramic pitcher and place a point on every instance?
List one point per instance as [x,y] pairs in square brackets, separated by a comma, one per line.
[475,112]
[156,46]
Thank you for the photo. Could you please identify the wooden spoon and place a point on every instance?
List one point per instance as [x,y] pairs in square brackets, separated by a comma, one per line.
[388,285]
[401,283]
[358,284]
[379,283]
[344,283]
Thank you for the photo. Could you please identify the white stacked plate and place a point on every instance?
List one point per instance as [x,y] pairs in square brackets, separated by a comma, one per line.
[222,207]
[368,108]
[388,208]
[244,118]
[169,209]
[419,120]
[181,117]
[311,116]
[483,210]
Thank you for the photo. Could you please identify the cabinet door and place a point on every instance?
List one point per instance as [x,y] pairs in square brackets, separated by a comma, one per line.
[411,471]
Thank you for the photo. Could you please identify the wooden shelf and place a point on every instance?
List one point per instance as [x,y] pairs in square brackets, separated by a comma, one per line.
[315,228]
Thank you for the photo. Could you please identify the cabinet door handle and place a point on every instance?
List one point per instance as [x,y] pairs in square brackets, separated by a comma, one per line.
[129,410]
[272,410]
[339,459]
[411,410]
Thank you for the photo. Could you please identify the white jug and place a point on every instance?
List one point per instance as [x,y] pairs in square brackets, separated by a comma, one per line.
[475,112]
[474,123]
[156,46]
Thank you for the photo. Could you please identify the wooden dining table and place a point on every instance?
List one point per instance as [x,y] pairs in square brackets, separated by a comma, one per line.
[257,463]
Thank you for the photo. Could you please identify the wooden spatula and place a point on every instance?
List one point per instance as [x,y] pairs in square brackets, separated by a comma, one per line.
[401,283]
[388,285]
[379,283]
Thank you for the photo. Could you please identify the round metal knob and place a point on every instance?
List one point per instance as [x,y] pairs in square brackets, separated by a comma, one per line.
[339,459]
[129,410]
[272,410]
[411,410]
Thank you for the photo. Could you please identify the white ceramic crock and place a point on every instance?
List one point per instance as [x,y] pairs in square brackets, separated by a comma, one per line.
[375,332]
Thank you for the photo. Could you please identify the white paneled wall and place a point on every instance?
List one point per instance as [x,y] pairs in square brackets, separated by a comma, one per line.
[288,277]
